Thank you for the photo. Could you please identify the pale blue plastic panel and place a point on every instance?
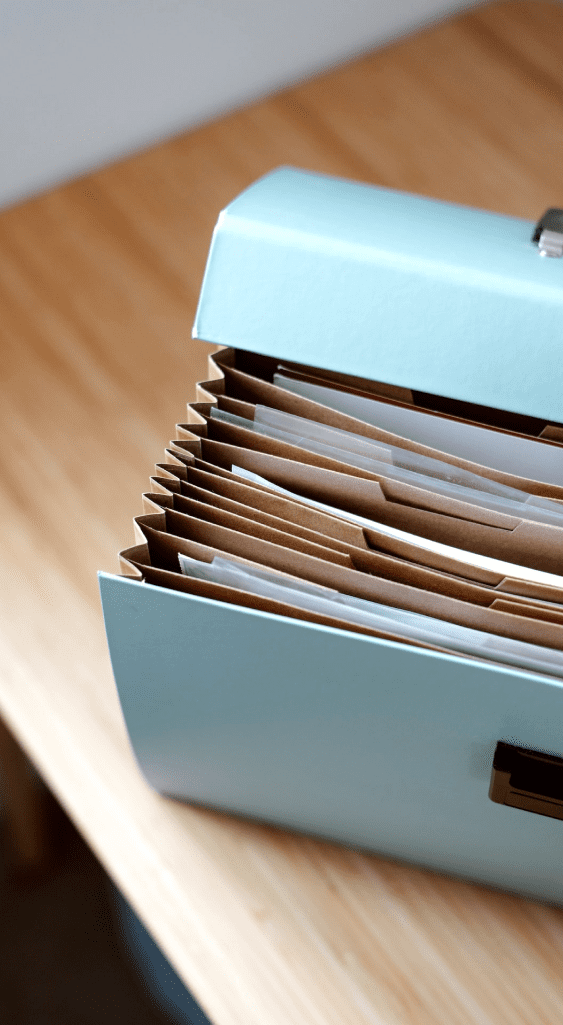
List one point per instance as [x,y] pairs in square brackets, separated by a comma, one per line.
[375,744]
[398,288]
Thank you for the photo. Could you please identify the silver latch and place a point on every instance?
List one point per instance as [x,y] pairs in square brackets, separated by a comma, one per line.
[548,233]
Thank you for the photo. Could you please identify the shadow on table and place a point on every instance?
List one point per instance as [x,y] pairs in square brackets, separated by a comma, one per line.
[71,950]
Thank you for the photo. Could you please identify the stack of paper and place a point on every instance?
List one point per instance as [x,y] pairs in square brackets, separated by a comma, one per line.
[314,497]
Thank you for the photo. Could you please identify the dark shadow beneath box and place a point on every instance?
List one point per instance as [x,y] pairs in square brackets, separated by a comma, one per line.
[71,950]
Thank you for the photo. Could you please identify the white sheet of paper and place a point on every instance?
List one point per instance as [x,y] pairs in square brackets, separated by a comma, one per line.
[523,457]
[410,467]
[505,569]
[327,441]
[277,586]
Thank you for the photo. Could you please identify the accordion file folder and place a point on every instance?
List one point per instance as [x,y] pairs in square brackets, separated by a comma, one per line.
[362,738]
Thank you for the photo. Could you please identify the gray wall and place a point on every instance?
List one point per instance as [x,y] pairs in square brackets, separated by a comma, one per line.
[86,81]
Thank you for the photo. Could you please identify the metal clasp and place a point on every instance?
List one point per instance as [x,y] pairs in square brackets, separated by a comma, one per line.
[548,233]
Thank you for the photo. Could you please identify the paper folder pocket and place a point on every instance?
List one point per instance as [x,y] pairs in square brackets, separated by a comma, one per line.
[217,485]
[208,495]
[254,390]
[182,530]
[256,529]
[214,483]
[138,560]
[221,482]
[200,507]
[417,494]
[533,611]
[353,552]
[529,544]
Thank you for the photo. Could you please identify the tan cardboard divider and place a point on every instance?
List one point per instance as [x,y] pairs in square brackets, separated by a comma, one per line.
[211,497]
[552,433]
[249,495]
[165,485]
[363,558]
[533,611]
[302,517]
[355,385]
[220,471]
[173,470]
[500,421]
[221,481]
[395,491]
[528,544]
[259,367]
[254,390]
[127,567]
[198,506]
[348,581]
[255,529]
[138,561]
[180,454]
[154,502]
[529,589]
[179,457]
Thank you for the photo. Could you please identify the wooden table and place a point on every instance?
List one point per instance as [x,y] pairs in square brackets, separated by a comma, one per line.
[99,283]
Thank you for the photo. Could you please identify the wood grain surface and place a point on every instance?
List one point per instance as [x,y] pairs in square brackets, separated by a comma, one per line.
[99,282]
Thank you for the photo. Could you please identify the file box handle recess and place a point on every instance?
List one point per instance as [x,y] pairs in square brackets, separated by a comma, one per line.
[355,738]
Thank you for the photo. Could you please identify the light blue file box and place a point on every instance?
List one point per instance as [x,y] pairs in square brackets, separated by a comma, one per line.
[372,743]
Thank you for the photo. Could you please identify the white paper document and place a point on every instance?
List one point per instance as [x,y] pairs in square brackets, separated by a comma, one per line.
[397,464]
[269,583]
[499,566]
[509,453]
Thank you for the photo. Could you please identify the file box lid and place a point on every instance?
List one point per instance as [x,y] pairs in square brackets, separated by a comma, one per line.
[398,288]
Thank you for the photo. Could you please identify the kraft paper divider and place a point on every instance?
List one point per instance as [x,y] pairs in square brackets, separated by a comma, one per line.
[253,390]
[533,611]
[360,385]
[246,491]
[174,473]
[188,446]
[528,544]
[229,358]
[392,490]
[233,488]
[220,471]
[180,454]
[552,433]
[529,589]
[172,470]
[496,420]
[186,451]
[362,559]
[137,559]
[202,494]
[201,510]
[136,563]
[165,485]
[187,529]
[155,502]
[510,585]
[400,569]
[177,457]
[263,366]
[355,544]
[338,382]
[128,568]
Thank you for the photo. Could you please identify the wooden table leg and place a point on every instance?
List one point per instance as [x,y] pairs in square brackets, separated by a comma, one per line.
[23,805]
